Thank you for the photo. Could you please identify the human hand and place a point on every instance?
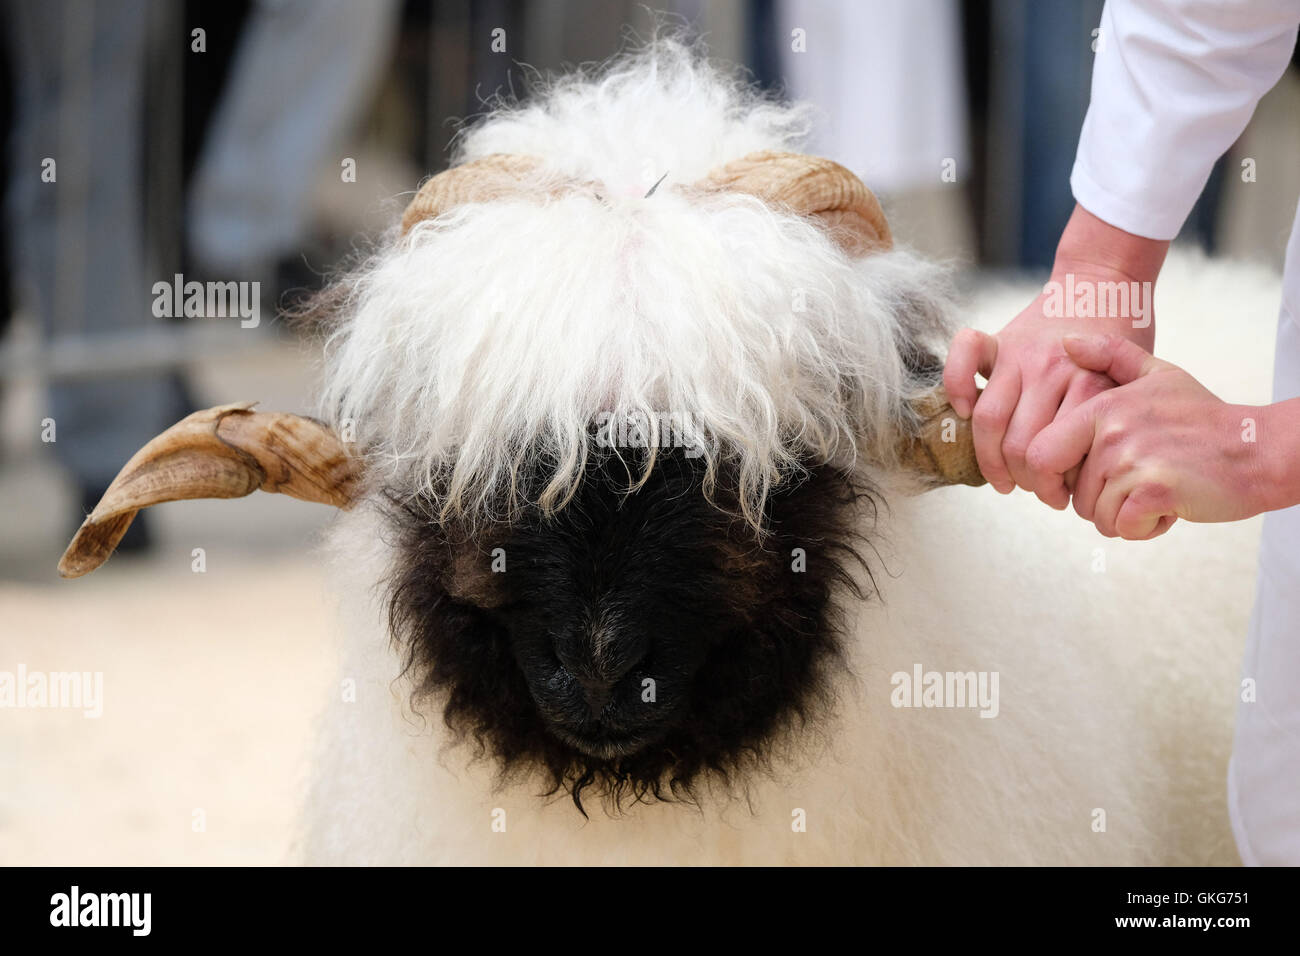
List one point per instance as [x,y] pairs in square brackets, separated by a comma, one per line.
[1159,447]
[1031,380]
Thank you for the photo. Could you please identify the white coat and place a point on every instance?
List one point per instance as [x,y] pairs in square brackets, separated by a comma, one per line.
[1173,86]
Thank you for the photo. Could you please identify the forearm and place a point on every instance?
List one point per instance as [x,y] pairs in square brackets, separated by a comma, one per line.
[1091,245]
[1279,453]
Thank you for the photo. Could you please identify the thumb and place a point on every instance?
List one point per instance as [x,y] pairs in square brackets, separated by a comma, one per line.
[1114,355]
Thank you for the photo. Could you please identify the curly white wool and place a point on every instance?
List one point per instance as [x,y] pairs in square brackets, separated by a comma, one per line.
[480,347]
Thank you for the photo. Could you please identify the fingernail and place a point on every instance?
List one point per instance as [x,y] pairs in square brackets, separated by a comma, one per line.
[961,407]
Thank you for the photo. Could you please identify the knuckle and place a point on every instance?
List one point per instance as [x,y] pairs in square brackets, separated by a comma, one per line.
[1013,449]
[1111,433]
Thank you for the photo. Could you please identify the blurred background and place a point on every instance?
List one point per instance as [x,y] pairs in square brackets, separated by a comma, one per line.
[255,141]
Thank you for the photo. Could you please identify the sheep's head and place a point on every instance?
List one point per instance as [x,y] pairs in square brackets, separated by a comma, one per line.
[655,625]
[623,437]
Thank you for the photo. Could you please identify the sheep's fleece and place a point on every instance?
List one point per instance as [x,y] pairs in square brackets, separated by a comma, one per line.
[1117,661]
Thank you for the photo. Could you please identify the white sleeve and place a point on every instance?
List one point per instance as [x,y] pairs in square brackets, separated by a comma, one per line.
[1174,83]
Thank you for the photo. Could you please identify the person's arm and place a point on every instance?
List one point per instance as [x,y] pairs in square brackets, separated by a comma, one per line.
[1162,447]
[1174,84]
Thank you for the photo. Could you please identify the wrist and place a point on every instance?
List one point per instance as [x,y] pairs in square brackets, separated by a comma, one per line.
[1094,247]
[1104,273]
[1279,453]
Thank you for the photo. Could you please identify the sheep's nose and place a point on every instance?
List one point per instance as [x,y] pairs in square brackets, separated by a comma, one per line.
[595,692]
[597,667]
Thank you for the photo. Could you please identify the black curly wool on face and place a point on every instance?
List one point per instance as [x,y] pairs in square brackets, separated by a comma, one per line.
[634,643]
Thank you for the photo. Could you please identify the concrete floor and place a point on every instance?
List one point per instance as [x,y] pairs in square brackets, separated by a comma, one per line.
[196,700]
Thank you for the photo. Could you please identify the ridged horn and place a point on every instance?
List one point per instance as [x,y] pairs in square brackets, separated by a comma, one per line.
[942,450]
[481,180]
[223,452]
[810,186]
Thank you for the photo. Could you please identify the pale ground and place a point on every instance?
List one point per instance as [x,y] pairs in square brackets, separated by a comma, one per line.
[210,679]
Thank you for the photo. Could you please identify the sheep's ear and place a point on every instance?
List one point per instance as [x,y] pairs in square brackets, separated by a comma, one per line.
[810,186]
[223,452]
[941,448]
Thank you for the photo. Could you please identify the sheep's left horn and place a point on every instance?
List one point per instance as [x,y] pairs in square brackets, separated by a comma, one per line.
[941,448]
[223,452]
[480,180]
[810,186]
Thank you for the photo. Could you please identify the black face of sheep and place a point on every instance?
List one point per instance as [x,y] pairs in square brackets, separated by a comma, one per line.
[635,640]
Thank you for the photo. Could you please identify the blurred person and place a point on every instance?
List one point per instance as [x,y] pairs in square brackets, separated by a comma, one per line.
[77,198]
[302,73]
[1173,86]
[888,77]
[75,219]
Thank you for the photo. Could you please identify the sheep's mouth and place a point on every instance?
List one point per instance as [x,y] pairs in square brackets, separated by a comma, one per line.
[604,746]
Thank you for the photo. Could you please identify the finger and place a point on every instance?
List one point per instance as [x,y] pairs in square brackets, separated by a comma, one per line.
[971,351]
[1072,478]
[1088,488]
[1114,355]
[1053,488]
[992,413]
[1106,513]
[1145,513]
[1062,445]
[1164,524]
[1033,413]
[1084,386]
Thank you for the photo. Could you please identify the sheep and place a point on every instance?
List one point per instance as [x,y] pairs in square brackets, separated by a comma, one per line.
[655,547]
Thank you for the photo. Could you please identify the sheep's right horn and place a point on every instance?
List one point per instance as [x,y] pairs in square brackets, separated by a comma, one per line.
[223,452]
[942,448]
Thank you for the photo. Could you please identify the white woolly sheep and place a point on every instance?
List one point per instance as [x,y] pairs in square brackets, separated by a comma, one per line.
[636,569]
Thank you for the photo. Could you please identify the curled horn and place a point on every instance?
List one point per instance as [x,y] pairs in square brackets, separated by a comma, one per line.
[223,452]
[941,450]
[811,186]
[481,180]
